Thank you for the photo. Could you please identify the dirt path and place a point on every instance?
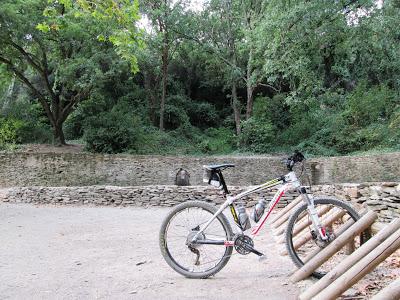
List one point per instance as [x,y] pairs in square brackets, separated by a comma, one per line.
[96,253]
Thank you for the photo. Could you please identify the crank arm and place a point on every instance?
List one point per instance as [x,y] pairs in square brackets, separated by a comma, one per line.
[252,250]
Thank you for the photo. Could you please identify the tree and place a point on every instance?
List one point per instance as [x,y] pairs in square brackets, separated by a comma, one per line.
[219,35]
[164,16]
[51,49]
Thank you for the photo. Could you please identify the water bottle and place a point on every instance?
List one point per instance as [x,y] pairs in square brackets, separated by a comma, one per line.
[243,217]
[258,210]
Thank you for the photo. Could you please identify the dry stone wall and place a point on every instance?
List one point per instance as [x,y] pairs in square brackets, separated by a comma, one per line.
[84,169]
[145,196]
[383,197]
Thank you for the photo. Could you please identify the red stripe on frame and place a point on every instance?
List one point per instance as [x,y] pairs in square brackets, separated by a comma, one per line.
[255,231]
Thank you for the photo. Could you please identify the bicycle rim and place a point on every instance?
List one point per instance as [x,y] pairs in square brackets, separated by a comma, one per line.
[196,261]
[303,242]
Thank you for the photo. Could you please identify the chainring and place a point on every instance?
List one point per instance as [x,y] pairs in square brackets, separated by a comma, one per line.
[242,243]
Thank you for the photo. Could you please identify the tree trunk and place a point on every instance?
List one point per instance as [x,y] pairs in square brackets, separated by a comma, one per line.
[249,86]
[165,61]
[236,107]
[8,97]
[59,138]
[151,99]
[290,207]
[164,84]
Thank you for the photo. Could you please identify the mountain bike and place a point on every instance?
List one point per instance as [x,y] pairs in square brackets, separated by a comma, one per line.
[197,240]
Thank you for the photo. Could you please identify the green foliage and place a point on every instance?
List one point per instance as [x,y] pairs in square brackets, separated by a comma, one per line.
[111,132]
[325,79]
[257,135]
[9,132]
[117,17]
[369,105]
[217,141]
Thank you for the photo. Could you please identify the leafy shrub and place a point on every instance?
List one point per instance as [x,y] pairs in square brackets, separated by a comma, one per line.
[111,132]
[10,132]
[274,109]
[202,114]
[257,135]
[35,126]
[175,116]
[312,148]
[367,105]
[217,141]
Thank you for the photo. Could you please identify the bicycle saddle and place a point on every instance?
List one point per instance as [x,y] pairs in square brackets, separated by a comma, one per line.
[218,167]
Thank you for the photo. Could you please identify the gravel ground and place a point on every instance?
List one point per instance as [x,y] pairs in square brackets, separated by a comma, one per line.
[64,252]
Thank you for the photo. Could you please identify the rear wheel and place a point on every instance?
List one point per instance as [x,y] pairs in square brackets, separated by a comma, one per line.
[177,231]
[302,242]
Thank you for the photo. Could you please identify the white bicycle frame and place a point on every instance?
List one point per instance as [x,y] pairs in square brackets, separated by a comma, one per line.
[288,182]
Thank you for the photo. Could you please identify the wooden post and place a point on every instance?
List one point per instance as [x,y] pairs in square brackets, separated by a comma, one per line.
[334,246]
[338,233]
[361,268]
[299,227]
[285,217]
[303,224]
[391,292]
[289,207]
[327,222]
[349,261]
[301,240]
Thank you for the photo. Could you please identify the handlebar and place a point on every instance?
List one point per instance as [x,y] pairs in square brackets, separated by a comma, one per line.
[295,158]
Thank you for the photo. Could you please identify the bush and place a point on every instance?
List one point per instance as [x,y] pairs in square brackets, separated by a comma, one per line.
[257,135]
[202,114]
[369,105]
[111,132]
[274,109]
[35,124]
[312,148]
[9,132]
[217,141]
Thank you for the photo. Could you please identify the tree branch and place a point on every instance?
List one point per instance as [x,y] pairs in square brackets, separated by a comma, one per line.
[36,92]
[212,51]
[27,56]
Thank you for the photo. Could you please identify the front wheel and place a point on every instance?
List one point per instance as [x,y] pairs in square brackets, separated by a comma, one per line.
[302,242]
[177,232]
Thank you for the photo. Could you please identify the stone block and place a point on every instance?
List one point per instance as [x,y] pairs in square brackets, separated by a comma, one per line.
[352,192]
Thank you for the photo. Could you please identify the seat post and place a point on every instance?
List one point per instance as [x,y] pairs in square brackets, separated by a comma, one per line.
[223,182]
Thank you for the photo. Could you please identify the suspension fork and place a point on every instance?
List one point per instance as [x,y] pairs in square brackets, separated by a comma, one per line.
[313,214]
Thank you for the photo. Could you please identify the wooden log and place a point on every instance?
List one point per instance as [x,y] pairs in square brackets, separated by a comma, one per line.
[301,240]
[361,268]
[334,246]
[280,230]
[391,292]
[304,223]
[350,248]
[285,217]
[289,207]
[376,227]
[349,261]
[325,222]
[340,231]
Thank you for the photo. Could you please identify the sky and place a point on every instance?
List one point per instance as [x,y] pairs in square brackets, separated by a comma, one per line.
[195,5]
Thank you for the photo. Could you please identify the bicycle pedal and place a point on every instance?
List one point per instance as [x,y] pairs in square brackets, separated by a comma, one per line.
[262,258]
